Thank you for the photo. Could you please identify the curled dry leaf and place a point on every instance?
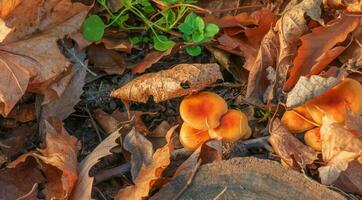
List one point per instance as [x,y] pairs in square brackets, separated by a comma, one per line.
[342,151]
[167,84]
[258,76]
[58,160]
[150,59]
[289,148]
[149,174]
[23,64]
[141,151]
[106,60]
[354,51]
[318,48]
[308,88]
[208,152]
[64,105]
[106,121]
[84,184]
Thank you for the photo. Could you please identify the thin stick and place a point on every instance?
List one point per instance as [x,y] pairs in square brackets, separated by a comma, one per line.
[29,193]
[221,193]
[94,124]
[100,193]
[107,174]
[189,181]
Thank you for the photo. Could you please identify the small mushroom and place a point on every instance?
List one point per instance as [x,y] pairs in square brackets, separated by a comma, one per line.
[296,120]
[203,110]
[233,126]
[347,94]
[192,138]
[313,139]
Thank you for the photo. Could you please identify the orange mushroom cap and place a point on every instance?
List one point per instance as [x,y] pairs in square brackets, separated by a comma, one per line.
[233,126]
[192,138]
[293,121]
[203,110]
[334,102]
[313,139]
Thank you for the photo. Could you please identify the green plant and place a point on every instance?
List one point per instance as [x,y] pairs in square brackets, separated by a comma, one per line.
[142,16]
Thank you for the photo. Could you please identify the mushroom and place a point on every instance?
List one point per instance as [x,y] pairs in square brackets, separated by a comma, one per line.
[233,126]
[203,110]
[192,138]
[297,120]
[313,139]
[347,94]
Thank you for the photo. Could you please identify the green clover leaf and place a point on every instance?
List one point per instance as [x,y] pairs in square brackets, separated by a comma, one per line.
[162,43]
[211,30]
[193,50]
[93,28]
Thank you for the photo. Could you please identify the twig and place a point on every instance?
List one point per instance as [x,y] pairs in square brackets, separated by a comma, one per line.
[220,194]
[94,124]
[4,145]
[189,181]
[26,196]
[100,193]
[118,171]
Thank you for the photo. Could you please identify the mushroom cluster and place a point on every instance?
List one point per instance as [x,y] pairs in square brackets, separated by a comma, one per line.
[333,103]
[206,116]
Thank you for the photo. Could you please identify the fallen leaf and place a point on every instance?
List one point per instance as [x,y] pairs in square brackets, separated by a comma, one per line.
[18,182]
[308,88]
[118,44]
[84,184]
[24,66]
[141,151]
[150,59]
[58,160]
[342,151]
[258,76]
[353,122]
[318,48]
[354,51]
[208,152]
[64,106]
[167,84]
[292,151]
[241,19]
[149,174]
[106,60]
[134,117]
[349,5]
[23,113]
[161,130]
[106,121]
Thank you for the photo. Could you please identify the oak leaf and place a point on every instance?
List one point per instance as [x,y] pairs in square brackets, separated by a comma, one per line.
[167,84]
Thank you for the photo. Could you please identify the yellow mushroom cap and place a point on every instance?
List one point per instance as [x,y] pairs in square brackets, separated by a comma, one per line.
[203,110]
[233,126]
[333,103]
[294,122]
[313,139]
[192,138]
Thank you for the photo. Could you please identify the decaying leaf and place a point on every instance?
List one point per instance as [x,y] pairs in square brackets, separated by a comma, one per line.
[64,105]
[106,121]
[292,151]
[23,64]
[318,48]
[308,88]
[349,5]
[150,59]
[58,160]
[106,60]
[342,151]
[149,174]
[23,112]
[84,184]
[167,84]
[208,152]
[354,51]
[141,151]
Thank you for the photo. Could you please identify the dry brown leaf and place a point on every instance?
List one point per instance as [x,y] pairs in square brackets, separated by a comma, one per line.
[208,152]
[106,60]
[292,151]
[118,44]
[342,151]
[106,121]
[167,84]
[150,59]
[24,65]
[134,117]
[318,48]
[242,19]
[349,5]
[23,113]
[149,174]
[84,184]
[19,181]
[58,160]
[354,51]
[258,81]
[141,151]
[308,88]
[64,105]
